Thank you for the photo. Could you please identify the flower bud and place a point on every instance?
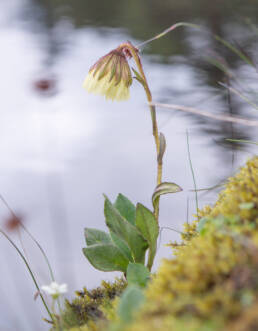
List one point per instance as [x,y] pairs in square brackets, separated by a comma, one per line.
[110,76]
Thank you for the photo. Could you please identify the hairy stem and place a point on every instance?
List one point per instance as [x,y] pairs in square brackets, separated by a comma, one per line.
[155,132]
[134,52]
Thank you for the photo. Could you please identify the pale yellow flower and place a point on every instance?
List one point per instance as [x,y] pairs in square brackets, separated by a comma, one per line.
[110,76]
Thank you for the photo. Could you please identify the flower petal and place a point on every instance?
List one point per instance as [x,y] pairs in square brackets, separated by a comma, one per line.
[110,76]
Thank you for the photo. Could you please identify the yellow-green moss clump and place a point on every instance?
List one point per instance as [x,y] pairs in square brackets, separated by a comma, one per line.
[211,282]
[240,196]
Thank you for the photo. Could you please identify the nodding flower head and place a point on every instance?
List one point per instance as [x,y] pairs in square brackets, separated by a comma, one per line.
[110,76]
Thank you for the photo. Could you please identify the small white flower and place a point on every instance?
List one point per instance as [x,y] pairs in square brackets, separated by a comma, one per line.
[54,289]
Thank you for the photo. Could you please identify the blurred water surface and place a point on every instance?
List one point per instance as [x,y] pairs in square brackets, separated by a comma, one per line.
[61,148]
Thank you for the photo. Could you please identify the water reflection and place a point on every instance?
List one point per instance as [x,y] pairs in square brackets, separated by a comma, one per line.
[61,148]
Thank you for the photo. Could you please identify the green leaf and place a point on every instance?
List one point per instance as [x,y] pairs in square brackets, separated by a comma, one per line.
[126,208]
[137,274]
[131,300]
[106,257]
[148,226]
[162,147]
[94,236]
[138,77]
[125,231]
[122,246]
[164,188]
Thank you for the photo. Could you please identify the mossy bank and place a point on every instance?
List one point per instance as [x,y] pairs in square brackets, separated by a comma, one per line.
[210,282]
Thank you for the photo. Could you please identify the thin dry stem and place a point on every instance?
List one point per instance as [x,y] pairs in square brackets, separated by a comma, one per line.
[226,118]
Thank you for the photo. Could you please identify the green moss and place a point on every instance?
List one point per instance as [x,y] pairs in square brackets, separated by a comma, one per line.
[213,279]
[240,196]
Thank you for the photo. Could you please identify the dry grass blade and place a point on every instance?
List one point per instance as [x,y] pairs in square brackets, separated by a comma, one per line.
[15,221]
[242,96]
[235,50]
[208,188]
[171,28]
[193,175]
[30,272]
[225,118]
[243,141]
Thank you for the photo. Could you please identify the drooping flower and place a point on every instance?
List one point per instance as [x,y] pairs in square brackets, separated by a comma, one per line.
[110,76]
[54,289]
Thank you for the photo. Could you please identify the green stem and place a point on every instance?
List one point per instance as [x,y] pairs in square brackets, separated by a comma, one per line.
[155,132]
[192,171]
[151,256]
[31,236]
[57,324]
[30,271]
